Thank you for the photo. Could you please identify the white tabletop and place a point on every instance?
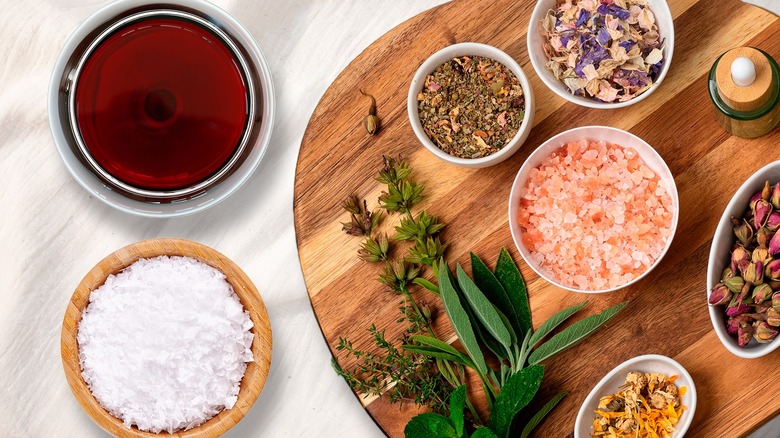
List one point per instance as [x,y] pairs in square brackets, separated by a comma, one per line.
[52,232]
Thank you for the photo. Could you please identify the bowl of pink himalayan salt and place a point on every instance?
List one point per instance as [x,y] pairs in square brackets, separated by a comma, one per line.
[593,209]
[600,54]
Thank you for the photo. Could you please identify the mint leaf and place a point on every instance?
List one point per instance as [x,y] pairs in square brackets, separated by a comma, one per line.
[483,432]
[573,334]
[518,390]
[429,425]
[457,403]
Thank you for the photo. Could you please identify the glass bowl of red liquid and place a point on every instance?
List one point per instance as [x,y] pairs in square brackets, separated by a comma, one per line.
[161,109]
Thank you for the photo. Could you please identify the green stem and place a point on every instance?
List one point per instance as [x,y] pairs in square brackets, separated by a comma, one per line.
[411,299]
[525,350]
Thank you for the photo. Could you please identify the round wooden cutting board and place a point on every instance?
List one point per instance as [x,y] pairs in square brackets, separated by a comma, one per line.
[668,310]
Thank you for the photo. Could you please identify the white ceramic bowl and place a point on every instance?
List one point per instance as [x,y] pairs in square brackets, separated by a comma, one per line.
[611,383]
[101,190]
[720,257]
[610,135]
[474,49]
[663,18]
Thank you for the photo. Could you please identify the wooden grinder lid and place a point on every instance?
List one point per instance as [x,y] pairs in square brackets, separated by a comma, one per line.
[749,96]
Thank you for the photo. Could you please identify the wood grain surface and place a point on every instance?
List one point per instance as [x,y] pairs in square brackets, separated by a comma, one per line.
[668,310]
[256,372]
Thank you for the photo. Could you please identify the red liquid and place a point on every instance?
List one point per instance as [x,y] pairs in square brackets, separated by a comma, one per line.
[162,104]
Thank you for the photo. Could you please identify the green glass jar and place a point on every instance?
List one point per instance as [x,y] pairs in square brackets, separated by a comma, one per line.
[759,113]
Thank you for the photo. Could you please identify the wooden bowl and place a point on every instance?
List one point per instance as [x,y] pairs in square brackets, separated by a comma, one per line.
[256,372]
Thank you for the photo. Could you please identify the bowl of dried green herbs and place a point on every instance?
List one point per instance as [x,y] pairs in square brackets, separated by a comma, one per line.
[471,105]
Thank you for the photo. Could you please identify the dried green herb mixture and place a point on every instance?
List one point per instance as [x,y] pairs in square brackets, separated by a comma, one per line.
[471,106]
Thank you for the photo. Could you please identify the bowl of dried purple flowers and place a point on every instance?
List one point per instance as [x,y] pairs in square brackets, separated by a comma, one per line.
[601,54]
[743,275]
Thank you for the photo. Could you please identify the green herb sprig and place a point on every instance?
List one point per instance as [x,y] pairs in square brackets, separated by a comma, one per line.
[492,309]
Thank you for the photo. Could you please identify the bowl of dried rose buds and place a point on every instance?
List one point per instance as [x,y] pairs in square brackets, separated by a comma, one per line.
[743,275]
[471,105]
[601,54]
[593,209]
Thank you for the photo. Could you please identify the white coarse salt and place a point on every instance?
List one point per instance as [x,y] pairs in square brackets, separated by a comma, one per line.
[164,344]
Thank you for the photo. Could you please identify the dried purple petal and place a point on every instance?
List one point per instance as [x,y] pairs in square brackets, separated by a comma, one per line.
[615,11]
[584,15]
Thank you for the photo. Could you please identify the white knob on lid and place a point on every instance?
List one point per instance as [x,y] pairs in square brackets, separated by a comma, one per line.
[743,71]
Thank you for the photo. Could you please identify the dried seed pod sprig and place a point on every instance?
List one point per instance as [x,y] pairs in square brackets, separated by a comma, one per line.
[386,369]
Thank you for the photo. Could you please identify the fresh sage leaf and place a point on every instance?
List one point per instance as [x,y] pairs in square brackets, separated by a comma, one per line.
[510,277]
[484,310]
[483,432]
[459,318]
[426,284]
[433,352]
[429,425]
[441,346]
[518,390]
[483,336]
[487,282]
[508,325]
[457,403]
[539,416]
[554,321]
[573,334]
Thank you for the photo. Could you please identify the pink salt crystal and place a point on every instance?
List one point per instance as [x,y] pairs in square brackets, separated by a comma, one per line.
[595,215]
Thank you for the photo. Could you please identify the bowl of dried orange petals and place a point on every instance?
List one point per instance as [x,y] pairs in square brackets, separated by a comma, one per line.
[647,396]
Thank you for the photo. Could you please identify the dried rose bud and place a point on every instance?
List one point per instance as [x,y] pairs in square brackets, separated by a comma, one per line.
[754,274]
[774,244]
[765,332]
[734,284]
[744,232]
[761,213]
[772,270]
[754,199]
[737,309]
[773,317]
[735,322]
[773,222]
[744,296]
[720,295]
[766,192]
[775,198]
[776,301]
[727,273]
[740,258]
[761,293]
[760,255]
[761,309]
[762,237]
[732,325]
[744,335]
